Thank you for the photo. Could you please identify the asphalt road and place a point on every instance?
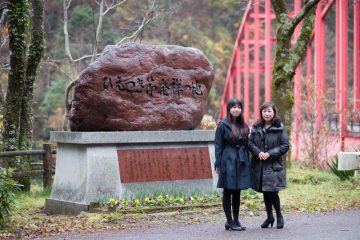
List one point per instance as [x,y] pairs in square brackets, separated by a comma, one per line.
[330,226]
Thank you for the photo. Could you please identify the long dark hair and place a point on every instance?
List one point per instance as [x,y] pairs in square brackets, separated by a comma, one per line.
[275,121]
[237,123]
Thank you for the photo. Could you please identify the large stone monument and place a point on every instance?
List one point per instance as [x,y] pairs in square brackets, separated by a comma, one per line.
[142,88]
[132,121]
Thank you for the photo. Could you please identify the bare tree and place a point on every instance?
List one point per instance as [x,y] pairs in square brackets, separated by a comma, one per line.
[316,135]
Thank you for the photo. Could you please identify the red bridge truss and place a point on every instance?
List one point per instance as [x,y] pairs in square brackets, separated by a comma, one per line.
[250,69]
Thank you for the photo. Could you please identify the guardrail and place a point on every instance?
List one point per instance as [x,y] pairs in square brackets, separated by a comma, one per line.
[333,123]
[47,163]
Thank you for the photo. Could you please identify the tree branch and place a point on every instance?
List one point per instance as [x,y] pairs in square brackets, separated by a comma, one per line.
[85,57]
[68,5]
[67,104]
[281,11]
[112,6]
[149,16]
[109,5]
[303,40]
[311,4]
[66,33]
[98,30]
[3,17]
[102,13]
[3,41]
[3,22]
[57,67]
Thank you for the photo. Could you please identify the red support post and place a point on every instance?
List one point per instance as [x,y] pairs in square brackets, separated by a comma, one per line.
[231,85]
[297,88]
[337,59]
[356,56]
[320,66]
[309,74]
[268,42]
[323,61]
[327,6]
[246,75]
[342,62]
[297,91]
[256,29]
[238,72]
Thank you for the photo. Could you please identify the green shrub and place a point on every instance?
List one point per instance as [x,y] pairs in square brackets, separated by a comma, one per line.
[343,175]
[7,197]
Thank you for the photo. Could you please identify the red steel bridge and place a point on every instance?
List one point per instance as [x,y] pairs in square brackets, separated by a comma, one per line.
[249,74]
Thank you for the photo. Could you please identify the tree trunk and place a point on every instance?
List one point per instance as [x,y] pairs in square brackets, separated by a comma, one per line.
[288,57]
[283,96]
[282,90]
[285,64]
[18,122]
[35,53]
[26,121]
[18,26]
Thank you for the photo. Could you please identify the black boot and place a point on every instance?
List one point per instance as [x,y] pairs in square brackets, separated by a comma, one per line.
[280,222]
[233,226]
[228,225]
[279,217]
[237,226]
[268,222]
[268,206]
[226,202]
[236,208]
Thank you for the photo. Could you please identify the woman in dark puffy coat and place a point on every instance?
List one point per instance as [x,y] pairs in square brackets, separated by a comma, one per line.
[268,144]
[232,161]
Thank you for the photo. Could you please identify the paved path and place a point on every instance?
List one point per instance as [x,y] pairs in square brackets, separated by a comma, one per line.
[330,226]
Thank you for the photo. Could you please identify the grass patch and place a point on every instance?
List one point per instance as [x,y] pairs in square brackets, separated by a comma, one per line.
[301,175]
[33,200]
[309,190]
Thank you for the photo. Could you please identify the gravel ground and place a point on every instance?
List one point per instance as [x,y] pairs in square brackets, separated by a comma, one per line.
[330,226]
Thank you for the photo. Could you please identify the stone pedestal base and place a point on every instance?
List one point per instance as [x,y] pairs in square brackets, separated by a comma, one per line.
[98,165]
[65,207]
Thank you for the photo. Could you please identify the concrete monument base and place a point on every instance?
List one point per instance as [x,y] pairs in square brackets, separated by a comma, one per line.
[95,165]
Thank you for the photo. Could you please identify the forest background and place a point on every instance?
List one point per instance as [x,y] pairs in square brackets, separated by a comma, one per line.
[209,25]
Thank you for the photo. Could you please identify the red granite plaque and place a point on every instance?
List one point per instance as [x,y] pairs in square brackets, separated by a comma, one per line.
[164,164]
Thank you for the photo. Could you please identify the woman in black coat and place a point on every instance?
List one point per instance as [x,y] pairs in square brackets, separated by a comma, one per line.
[268,144]
[232,161]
